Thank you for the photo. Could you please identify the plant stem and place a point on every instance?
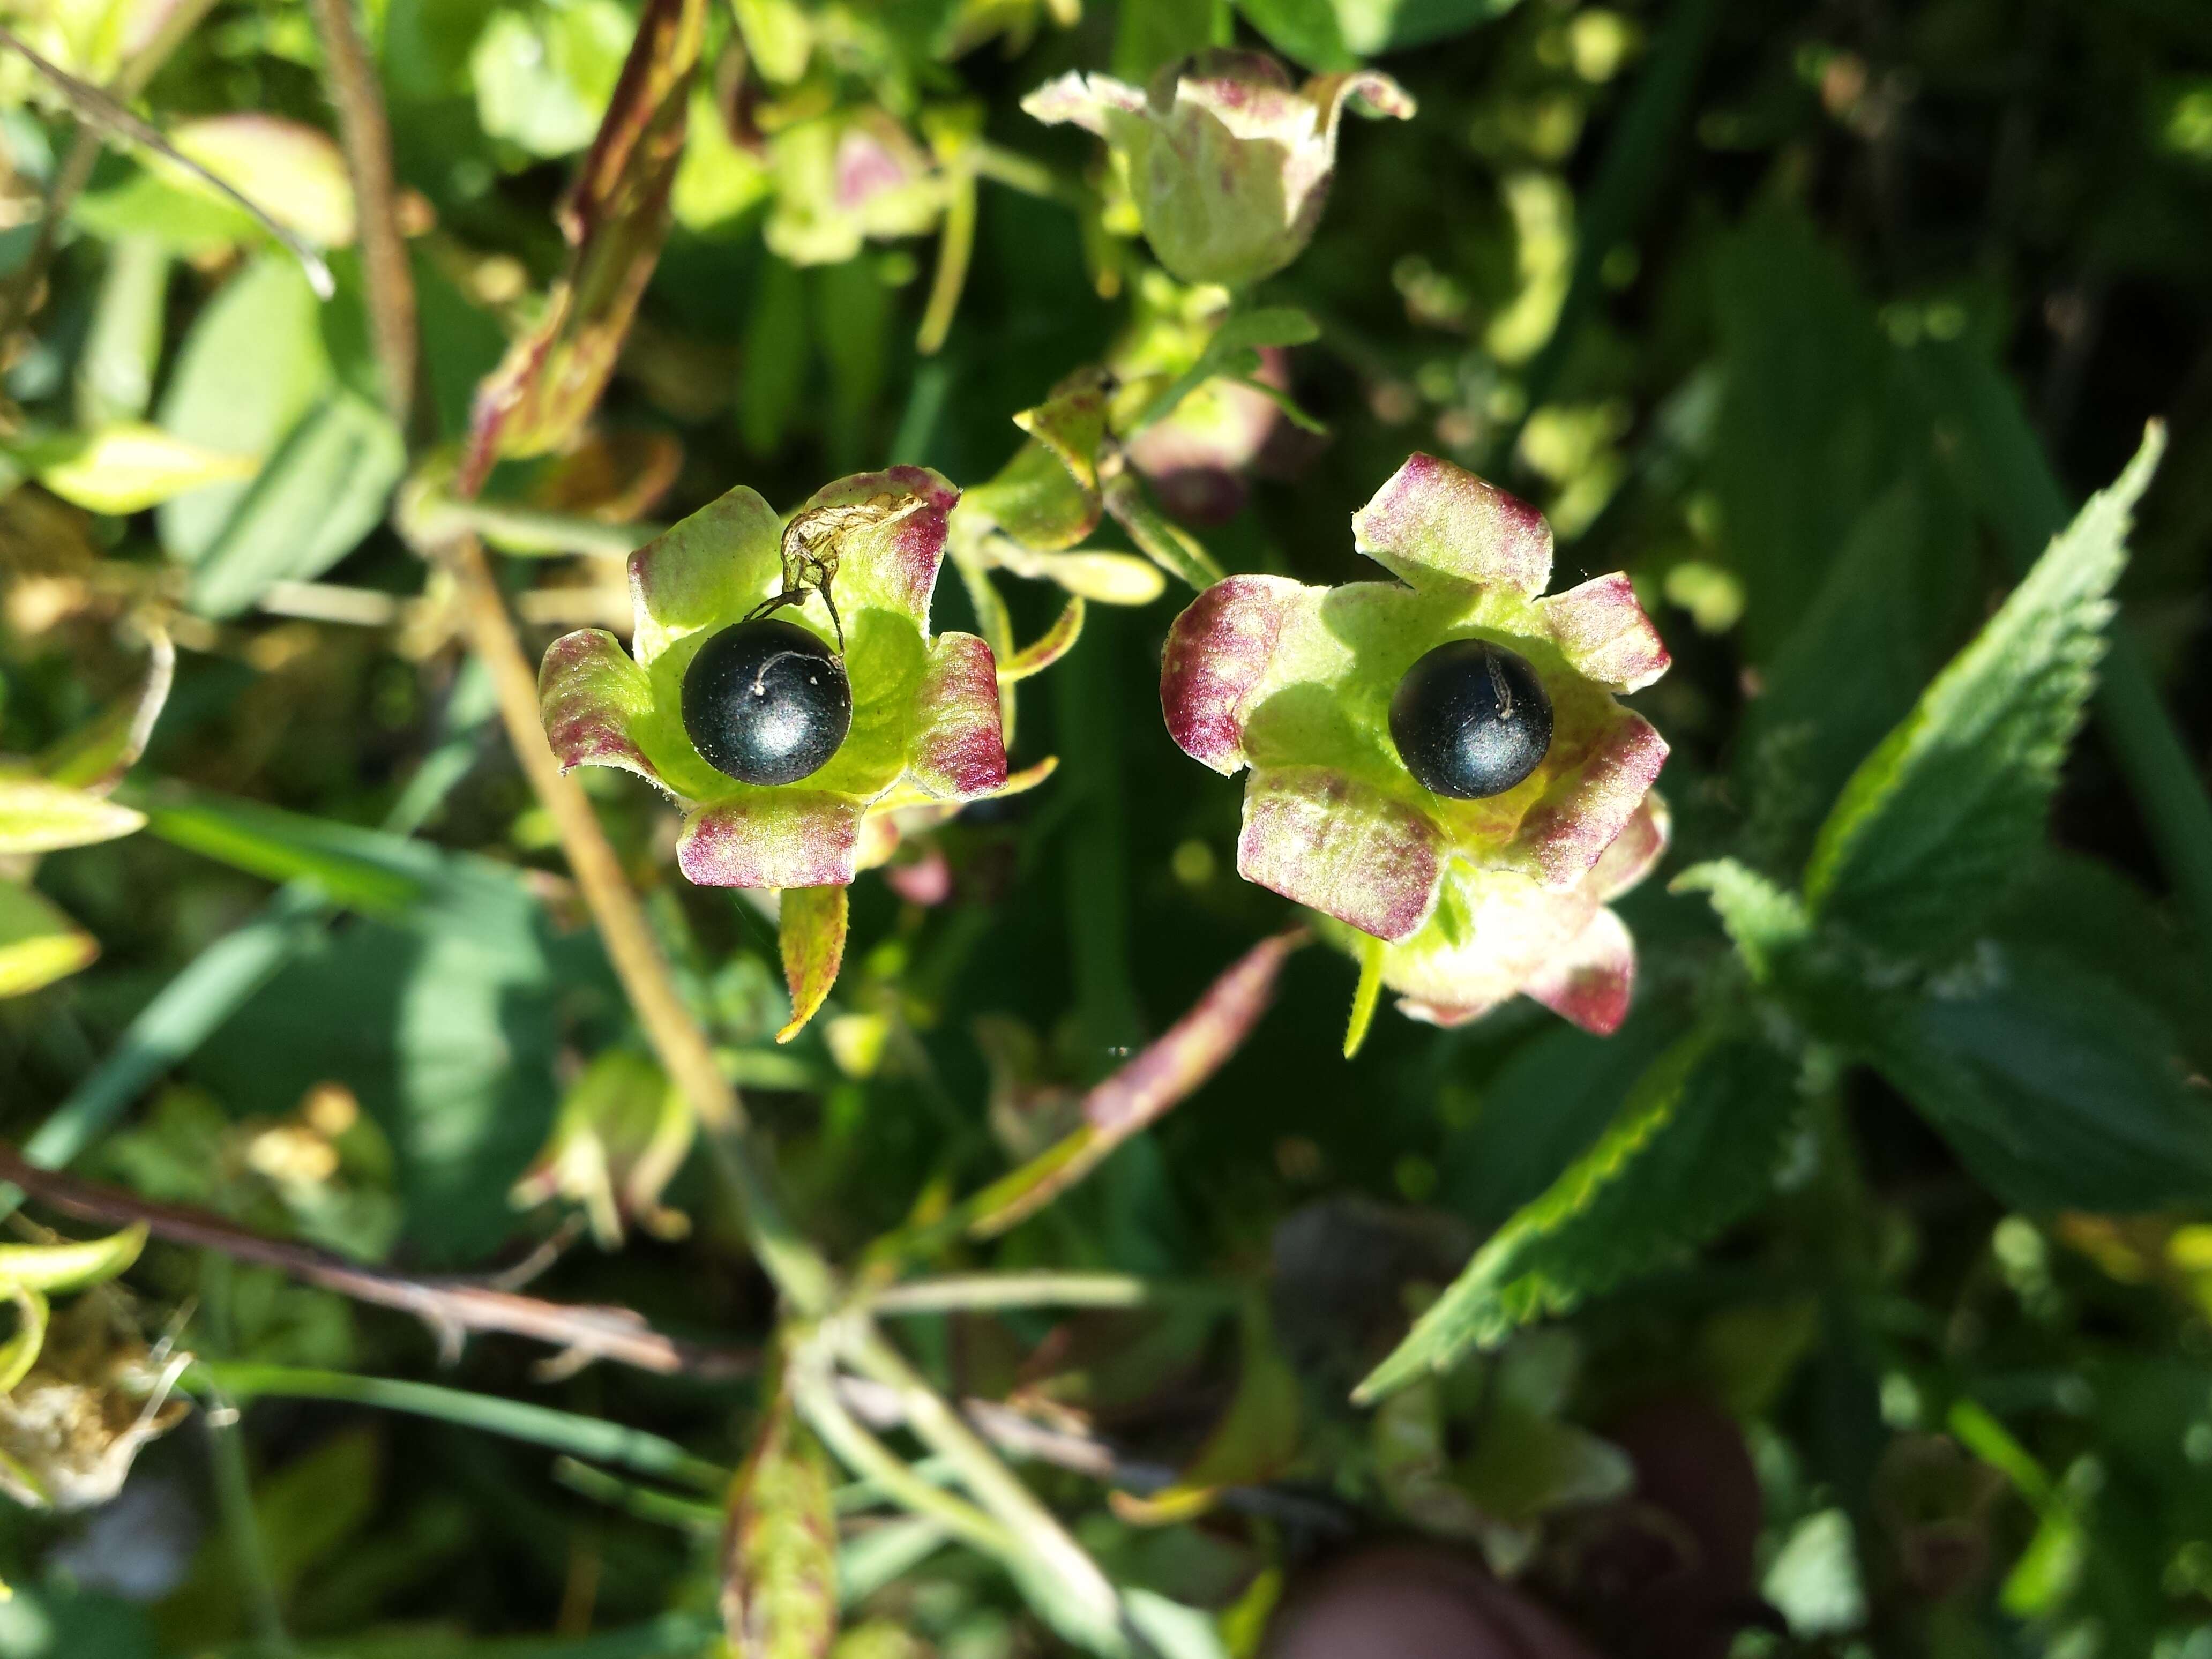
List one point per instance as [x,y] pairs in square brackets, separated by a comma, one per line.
[814,1391]
[956,244]
[1062,1577]
[800,1271]
[84,151]
[367,133]
[233,1489]
[1018,172]
[428,515]
[965,1291]
[518,1420]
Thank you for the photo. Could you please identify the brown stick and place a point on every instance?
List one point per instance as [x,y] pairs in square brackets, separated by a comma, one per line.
[674,1036]
[798,1269]
[367,134]
[451,1307]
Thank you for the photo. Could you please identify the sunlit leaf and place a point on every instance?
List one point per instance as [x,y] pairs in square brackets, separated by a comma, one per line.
[39,817]
[1931,826]
[1692,1149]
[293,173]
[38,943]
[812,931]
[125,468]
[57,1269]
[1048,648]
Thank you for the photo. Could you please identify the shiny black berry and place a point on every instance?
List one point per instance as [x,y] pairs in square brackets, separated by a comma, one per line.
[766,701]
[1471,719]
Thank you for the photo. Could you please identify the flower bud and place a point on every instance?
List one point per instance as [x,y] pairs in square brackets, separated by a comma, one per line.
[1228,163]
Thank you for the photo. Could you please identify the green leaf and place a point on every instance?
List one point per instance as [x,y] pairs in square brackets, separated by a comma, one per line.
[2106,924]
[1525,1464]
[293,173]
[319,495]
[779,349]
[1234,351]
[1371,26]
[2056,1088]
[1543,1109]
[1893,603]
[39,817]
[1308,31]
[1808,436]
[310,1507]
[1162,540]
[591,1437]
[365,869]
[252,366]
[38,943]
[115,375]
[21,1352]
[543,73]
[124,468]
[1933,823]
[1691,1150]
[615,218]
[58,1268]
[1985,435]
[811,927]
[1766,923]
[450,1033]
[780,1567]
[1249,1446]
[1151,33]
[1048,648]
[1335,34]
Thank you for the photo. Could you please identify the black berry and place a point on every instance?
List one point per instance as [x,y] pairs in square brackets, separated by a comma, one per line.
[767,701]
[1471,719]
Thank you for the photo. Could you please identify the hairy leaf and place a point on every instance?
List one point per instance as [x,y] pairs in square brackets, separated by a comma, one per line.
[1933,825]
[2056,1088]
[1690,1151]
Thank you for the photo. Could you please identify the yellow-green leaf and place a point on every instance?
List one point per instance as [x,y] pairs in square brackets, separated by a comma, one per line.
[38,943]
[126,467]
[813,941]
[37,817]
[291,172]
[1048,647]
[55,1268]
[21,1352]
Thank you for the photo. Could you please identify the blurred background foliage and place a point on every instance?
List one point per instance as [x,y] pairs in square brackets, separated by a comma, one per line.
[1814,319]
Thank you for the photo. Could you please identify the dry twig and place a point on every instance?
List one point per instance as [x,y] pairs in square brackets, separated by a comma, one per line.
[452,1308]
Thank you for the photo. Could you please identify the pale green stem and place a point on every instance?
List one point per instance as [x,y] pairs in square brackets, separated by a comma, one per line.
[1054,1568]
[966,1291]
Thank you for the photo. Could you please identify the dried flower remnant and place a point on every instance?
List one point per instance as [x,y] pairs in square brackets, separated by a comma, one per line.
[1229,163]
[71,1428]
[1473,899]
